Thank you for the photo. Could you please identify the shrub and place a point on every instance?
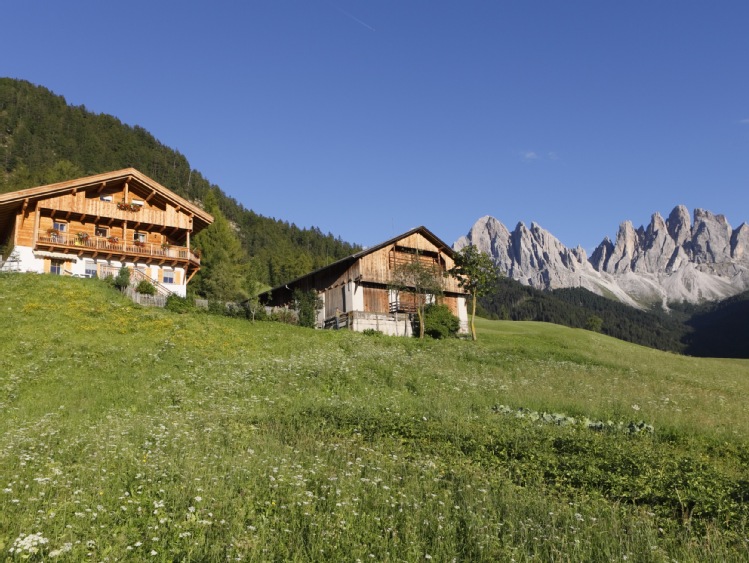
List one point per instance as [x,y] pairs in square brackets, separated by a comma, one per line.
[122,280]
[145,287]
[178,304]
[286,316]
[439,322]
[306,304]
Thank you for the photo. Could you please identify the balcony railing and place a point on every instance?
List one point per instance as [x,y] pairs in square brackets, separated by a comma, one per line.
[111,245]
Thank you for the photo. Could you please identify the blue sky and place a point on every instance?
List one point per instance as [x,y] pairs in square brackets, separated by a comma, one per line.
[369,117]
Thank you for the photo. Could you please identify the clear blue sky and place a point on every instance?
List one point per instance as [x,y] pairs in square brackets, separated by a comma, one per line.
[369,117]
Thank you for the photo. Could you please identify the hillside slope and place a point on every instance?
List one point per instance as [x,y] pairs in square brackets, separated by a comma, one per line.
[579,308]
[141,433]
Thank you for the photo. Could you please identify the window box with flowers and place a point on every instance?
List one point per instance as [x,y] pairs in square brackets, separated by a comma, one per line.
[125,206]
[82,237]
[139,243]
[113,240]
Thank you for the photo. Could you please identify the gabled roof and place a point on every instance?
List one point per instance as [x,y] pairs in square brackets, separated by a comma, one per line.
[10,202]
[346,262]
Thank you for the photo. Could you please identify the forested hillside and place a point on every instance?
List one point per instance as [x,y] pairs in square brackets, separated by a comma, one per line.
[717,330]
[45,140]
[721,329]
[579,308]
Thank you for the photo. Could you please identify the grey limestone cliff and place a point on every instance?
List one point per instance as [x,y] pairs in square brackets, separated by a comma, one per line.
[671,259]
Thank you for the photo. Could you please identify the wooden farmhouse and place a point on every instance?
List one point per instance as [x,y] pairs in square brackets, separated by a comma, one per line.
[95,225]
[359,292]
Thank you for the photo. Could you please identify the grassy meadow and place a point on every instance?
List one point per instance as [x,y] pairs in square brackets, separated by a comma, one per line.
[133,434]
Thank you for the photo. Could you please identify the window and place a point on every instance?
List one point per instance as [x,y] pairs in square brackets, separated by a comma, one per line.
[56,267]
[90,269]
[106,198]
[168,276]
[60,226]
[101,232]
[139,237]
[137,202]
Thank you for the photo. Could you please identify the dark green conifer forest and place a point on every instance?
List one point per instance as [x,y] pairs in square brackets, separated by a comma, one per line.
[44,140]
[710,330]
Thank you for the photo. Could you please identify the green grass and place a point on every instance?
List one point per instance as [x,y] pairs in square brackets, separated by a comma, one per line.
[136,434]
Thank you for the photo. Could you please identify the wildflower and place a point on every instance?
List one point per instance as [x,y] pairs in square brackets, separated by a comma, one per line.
[28,544]
[64,549]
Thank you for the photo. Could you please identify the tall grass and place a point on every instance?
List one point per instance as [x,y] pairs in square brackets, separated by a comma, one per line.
[137,434]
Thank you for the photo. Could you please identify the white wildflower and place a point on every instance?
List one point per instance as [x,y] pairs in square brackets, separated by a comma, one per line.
[28,544]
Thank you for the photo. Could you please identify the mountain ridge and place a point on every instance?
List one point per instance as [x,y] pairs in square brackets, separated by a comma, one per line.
[670,260]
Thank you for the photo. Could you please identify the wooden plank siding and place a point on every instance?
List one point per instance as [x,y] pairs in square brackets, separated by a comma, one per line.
[361,282]
[164,215]
[122,217]
[376,300]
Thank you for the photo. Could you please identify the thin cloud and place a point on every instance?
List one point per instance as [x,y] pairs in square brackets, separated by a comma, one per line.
[744,121]
[533,156]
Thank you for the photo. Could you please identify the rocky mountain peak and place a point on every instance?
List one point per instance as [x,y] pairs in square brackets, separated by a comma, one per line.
[669,260]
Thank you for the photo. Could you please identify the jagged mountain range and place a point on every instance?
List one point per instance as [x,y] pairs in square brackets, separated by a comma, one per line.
[670,260]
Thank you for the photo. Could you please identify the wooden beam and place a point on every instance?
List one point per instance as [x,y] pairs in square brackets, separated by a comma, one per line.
[101,188]
[36,225]
[153,193]
[195,271]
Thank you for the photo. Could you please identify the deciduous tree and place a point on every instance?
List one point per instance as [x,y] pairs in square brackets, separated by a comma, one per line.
[477,274]
[423,281]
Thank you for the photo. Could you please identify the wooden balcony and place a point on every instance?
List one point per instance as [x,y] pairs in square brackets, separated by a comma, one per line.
[118,250]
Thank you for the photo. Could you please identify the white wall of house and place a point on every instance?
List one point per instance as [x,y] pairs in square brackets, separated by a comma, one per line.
[463,315]
[27,261]
[357,296]
[33,262]
[386,324]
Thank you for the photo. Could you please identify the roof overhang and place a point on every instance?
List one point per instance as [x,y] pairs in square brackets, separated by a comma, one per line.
[12,201]
[345,262]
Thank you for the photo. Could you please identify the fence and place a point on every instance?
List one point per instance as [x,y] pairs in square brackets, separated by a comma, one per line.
[145,300]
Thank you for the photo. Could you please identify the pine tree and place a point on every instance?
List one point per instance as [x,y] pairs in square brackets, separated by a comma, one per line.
[223,272]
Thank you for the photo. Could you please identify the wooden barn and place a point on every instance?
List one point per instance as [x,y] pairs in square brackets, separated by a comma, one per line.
[359,292]
[95,225]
